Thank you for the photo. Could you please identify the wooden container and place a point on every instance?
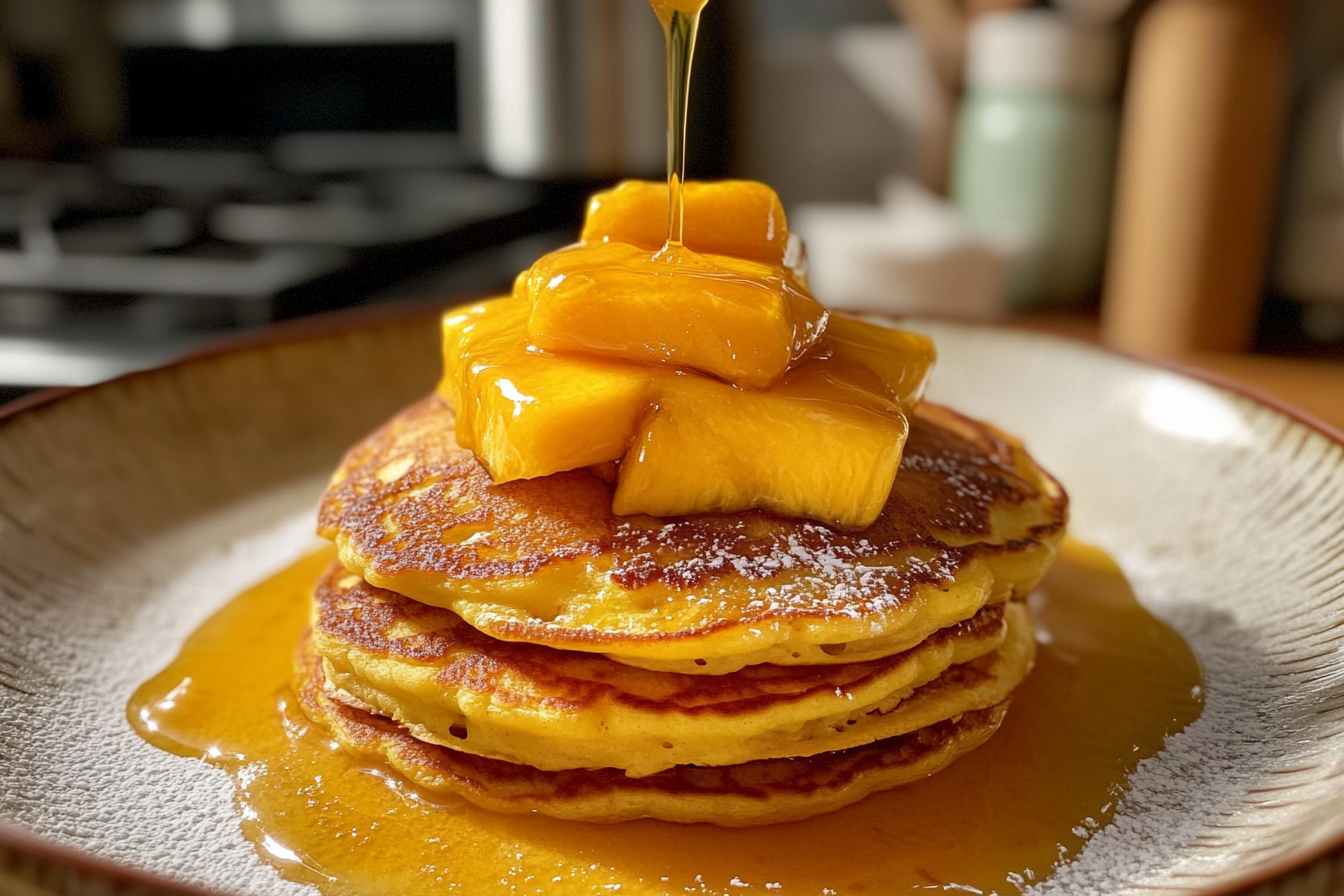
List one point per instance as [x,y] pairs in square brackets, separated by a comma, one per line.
[1199,162]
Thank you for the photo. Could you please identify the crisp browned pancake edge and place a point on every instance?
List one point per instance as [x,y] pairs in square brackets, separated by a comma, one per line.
[763,791]
[349,613]
[412,504]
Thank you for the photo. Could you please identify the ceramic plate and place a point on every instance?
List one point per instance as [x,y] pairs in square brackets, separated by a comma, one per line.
[132,510]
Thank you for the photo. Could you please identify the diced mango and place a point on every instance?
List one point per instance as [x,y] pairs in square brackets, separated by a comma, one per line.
[815,445]
[526,413]
[740,218]
[902,359]
[739,320]
[824,442]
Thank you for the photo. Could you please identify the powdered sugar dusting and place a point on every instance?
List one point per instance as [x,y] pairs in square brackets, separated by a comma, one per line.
[808,568]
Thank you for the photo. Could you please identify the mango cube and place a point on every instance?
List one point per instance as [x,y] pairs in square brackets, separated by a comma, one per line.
[815,445]
[824,442]
[740,218]
[739,320]
[903,360]
[525,413]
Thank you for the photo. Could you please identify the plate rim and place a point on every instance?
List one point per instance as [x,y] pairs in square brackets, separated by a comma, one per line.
[21,842]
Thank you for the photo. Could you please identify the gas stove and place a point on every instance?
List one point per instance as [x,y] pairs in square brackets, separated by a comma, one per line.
[130,259]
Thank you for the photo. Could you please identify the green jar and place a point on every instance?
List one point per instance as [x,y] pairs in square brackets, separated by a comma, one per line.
[1035,150]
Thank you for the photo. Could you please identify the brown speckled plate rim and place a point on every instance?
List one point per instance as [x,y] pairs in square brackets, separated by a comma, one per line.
[319,326]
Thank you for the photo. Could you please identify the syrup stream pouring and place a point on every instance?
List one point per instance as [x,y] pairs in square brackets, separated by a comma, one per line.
[680,20]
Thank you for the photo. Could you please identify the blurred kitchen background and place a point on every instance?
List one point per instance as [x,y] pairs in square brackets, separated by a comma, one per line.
[1164,175]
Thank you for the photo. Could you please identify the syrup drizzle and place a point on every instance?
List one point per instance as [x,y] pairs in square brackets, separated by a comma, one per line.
[1110,684]
[681,21]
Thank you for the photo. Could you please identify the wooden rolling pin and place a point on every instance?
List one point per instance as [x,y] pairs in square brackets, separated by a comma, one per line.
[1199,162]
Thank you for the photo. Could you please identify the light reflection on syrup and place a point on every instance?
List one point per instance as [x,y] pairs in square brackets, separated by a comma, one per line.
[1111,682]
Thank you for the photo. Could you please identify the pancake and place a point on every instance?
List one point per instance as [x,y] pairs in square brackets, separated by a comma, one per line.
[971,521]
[752,793]
[449,684]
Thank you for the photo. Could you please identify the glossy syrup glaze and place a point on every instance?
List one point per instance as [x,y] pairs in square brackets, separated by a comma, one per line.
[1110,684]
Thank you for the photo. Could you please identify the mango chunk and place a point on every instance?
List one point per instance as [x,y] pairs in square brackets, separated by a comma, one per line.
[739,320]
[526,413]
[815,445]
[740,218]
[824,442]
[903,360]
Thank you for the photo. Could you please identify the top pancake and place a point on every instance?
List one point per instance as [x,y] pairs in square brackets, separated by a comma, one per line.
[971,520]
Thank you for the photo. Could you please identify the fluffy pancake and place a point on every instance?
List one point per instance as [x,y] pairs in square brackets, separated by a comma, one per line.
[449,684]
[759,792]
[971,521]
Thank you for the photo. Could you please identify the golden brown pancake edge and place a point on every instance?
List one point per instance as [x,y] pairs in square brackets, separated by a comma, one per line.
[450,684]
[753,793]
[971,521]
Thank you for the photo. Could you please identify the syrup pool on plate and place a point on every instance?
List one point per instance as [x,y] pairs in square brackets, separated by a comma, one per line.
[1111,683]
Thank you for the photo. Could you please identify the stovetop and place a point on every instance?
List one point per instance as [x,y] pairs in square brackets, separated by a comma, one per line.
[130,259]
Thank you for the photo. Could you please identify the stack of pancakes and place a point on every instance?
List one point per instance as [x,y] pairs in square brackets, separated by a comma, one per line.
[522,647]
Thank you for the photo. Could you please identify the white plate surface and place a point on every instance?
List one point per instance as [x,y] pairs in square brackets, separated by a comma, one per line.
[130,511]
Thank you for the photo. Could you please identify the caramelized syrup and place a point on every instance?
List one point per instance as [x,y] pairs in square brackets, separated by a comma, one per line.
[1110,684]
